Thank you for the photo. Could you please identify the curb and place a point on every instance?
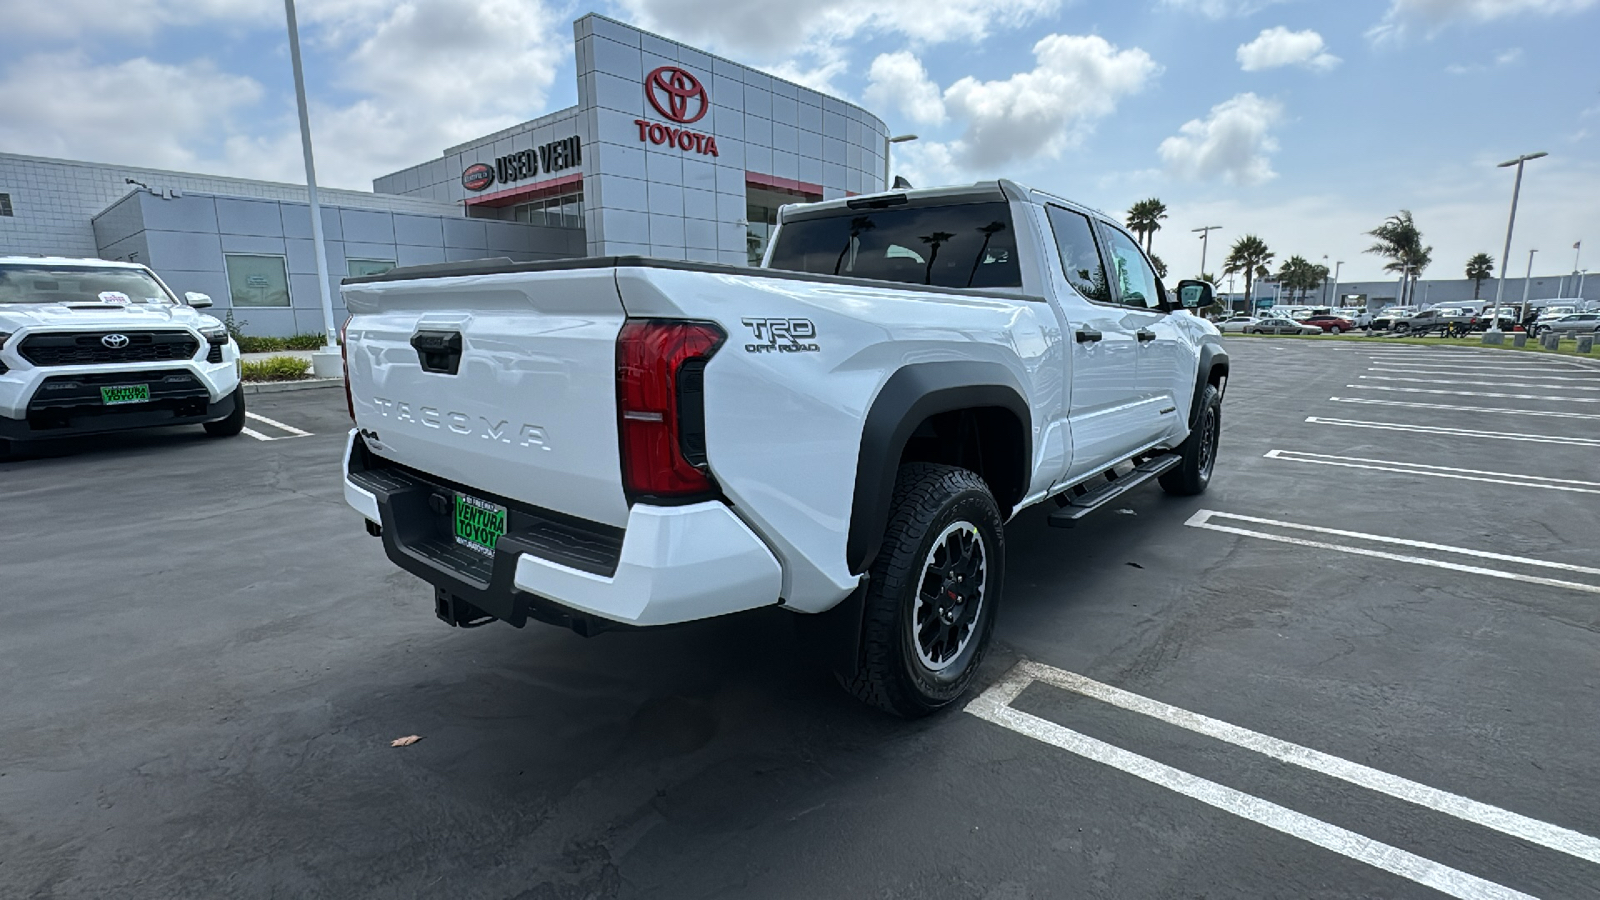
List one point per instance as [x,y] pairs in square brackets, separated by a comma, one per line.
[276,387]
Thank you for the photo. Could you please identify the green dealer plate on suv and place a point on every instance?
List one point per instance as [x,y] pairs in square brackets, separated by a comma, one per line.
[478,524]
[125,393]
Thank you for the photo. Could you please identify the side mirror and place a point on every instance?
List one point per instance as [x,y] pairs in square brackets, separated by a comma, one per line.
[198,301]
[1194,294]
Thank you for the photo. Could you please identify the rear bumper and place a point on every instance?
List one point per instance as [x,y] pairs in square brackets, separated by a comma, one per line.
[669,565]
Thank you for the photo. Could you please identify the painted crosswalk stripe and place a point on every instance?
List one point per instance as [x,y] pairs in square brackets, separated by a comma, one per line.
[1457,432]
[1203,519]
[1412,390]
[1475,409]
[994,705]
[1511,479]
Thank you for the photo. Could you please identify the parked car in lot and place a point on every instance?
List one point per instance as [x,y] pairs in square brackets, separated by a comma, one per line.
[1574,324]
[1386,317]
[1282,326]
[1430,320]
[90,346]
[842,432]
[1237,324]
[1331,324]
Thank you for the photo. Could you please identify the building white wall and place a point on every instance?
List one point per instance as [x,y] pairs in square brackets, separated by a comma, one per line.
[55,199]
[656,200]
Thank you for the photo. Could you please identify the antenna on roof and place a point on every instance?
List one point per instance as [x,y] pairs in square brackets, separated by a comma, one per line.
[901,184]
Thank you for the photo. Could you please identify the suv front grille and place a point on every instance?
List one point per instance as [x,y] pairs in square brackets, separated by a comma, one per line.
[84,348]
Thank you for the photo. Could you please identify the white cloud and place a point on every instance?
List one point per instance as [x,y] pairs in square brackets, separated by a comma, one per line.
[72,18]
[1434,15]
[1220,9]
[770,30]
[1502,59]
[1078,79]
[1234,143]
[898,80]
[137,112]
[421,76]
[1275,47]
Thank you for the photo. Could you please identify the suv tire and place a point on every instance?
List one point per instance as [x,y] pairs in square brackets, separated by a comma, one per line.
[931,597]
[1199,451]
[234,423]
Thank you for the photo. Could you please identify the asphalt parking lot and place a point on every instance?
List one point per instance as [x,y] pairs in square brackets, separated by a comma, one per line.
[1365,664]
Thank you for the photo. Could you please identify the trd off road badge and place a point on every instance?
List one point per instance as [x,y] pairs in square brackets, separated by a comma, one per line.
[781,336]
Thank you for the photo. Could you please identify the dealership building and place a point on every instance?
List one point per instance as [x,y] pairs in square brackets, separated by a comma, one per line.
[669,152]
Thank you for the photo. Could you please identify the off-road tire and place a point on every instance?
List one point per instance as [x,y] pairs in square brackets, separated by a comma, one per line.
[1199,451]
[234,423]
[929,500]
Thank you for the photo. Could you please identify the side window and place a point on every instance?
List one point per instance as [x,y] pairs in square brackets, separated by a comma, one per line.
[1136,281]
[1080,254]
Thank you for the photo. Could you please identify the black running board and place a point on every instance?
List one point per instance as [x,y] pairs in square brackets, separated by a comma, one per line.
[1075,507]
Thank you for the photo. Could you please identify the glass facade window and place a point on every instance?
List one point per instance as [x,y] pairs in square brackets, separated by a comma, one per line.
[257,280]
[761,217]
[359,267]
[560,211]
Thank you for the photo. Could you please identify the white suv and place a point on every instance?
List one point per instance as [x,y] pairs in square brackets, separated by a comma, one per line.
[89,346]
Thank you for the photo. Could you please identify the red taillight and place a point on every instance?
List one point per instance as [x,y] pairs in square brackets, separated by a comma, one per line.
[661,419]
[344,358]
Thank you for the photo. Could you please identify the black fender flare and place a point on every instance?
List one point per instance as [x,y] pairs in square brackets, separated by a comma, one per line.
[1212,355]
[909,396]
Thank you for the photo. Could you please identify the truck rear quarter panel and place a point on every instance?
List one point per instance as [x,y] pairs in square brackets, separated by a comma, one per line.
[788,393]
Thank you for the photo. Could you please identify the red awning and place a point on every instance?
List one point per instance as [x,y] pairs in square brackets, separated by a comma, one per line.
[528,192]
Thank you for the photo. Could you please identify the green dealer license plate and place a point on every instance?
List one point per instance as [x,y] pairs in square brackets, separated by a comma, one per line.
[478,523]
[127,393]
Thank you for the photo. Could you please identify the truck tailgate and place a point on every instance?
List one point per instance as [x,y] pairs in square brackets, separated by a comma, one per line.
[505,383]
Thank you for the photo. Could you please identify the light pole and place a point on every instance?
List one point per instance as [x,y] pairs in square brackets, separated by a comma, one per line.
[1527,280]
[1577,251]
[897,139]
[325,363]
[1505,255]
[1337,265]
[1581,275]
[1205,241]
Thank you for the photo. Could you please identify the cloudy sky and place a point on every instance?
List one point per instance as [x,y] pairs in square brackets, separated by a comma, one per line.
[1303,122]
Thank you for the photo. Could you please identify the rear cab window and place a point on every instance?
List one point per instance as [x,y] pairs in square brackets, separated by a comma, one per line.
[966,245]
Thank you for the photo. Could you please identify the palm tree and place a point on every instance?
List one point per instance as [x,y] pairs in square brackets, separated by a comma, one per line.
[1161,267]
[1248,257]
[1144,219]
[1480,268]
[1401,241]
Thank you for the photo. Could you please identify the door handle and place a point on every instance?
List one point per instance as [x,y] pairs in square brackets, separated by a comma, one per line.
[1088,335]
[1145,335]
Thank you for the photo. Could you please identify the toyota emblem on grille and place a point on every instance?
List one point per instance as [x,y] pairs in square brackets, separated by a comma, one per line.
[115,341]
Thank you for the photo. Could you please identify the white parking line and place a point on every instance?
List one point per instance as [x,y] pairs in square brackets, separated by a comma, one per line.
[1409,390]
[1388,465]
[1458,432]
[251,432]
[1546,387]
[1476,409]
[994,705]
[1202,519]
[276,424]
[1547,374]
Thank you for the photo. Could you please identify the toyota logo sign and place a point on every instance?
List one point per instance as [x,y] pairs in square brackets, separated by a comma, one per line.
[477,176]
[672,91]
[115,341]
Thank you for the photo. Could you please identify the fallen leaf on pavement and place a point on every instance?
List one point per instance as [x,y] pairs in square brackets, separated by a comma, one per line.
[406,741]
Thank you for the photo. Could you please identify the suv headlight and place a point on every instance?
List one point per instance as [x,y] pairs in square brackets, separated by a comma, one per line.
[215,334]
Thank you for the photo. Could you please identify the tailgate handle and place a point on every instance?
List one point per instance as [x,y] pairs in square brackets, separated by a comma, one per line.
[439,351]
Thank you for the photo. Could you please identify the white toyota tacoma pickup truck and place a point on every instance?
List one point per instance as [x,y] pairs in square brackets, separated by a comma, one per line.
[842,432]
[89,346]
